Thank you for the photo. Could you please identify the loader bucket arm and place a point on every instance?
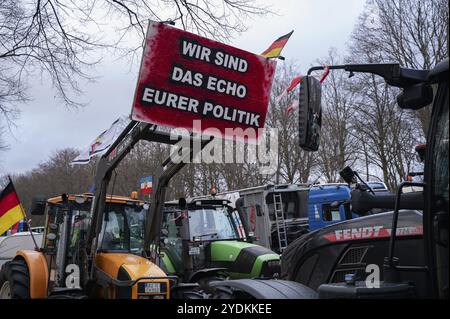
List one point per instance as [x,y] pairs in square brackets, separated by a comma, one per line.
[124,143]
[169,169]
[392,73]
[133,133]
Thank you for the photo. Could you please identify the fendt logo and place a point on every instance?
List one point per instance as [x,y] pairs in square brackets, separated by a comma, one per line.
[371,232]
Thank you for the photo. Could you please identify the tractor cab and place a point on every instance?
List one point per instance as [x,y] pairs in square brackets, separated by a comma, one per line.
[206,238]
[120,242]
[413,257]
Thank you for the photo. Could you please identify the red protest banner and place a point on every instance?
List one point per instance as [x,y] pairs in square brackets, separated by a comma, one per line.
[185,77]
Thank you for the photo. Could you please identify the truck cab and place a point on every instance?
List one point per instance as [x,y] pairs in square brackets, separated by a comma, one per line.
[328,204]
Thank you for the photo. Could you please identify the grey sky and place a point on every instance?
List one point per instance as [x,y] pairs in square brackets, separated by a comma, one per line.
[46,126]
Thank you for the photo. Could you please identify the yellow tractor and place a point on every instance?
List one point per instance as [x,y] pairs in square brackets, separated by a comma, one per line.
[56,270]
[98,245]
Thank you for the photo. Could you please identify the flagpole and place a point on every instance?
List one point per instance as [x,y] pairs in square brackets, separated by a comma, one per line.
[36,247]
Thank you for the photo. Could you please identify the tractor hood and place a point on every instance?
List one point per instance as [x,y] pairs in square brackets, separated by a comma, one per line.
[372,227]
[366,228]
[244,260]
[135,266]
[359,230]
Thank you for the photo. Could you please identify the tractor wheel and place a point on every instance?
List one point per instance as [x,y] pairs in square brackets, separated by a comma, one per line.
[4,291]
[291,257]
[15,280]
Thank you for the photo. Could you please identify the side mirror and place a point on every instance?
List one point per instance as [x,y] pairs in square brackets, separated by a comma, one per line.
[348,175]
[415,97]
[38,205]
[310,113]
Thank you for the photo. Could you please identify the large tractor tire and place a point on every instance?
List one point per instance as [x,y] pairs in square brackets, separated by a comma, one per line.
[261,289]
[291,257]
[15,280]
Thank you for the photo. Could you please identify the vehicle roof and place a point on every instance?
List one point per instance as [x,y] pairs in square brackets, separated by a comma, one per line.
[329,185]
[109,198]
[383,186]
[328,193]
[195,203]
[274,188]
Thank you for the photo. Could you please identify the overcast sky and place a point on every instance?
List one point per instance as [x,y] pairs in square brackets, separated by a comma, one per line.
[46,126]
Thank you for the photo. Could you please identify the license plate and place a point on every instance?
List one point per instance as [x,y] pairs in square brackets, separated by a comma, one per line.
[152,287]
[194,251]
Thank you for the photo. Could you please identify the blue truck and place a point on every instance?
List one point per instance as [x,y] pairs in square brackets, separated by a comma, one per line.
[329,204]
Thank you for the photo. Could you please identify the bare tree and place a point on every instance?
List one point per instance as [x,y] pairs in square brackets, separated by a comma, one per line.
[388,133]
[411,32]
[294,165]
[52,178]
[415,34]
[60,39]
[338,145]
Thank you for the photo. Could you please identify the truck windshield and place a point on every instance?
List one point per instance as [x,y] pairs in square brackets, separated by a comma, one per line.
[123,228]
[212,224]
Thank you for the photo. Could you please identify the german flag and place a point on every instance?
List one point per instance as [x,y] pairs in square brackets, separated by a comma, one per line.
[275,49]
[11,210]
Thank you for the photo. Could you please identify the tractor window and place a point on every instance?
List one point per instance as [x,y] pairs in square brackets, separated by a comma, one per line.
[211,224]
[171,239]
[291,204]
[112,235]
[135,217]
[80,224]
[330,213]
[123,228]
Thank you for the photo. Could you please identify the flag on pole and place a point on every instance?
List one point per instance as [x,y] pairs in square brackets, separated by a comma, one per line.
[325,74]
[146,185]
[295,81]
[293,106]
[275,49]
[100,144]
[11,210]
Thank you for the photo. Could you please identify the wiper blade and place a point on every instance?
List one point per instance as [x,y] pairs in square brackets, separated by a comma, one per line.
[203,235]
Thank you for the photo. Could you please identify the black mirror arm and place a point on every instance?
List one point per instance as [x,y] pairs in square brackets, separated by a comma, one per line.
[392,73]
[364,183]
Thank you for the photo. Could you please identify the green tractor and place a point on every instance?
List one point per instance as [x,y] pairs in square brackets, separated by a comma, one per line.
[206,240]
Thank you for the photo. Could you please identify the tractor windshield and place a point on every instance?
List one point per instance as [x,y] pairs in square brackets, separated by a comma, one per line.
[123,228]
[212,224]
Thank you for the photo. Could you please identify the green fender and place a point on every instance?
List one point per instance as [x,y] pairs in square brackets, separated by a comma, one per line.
[244,260]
